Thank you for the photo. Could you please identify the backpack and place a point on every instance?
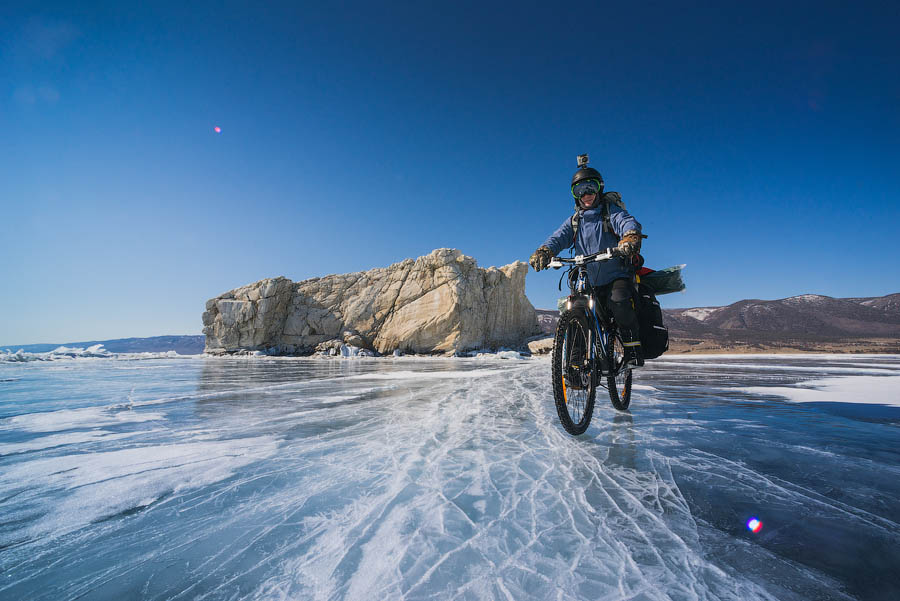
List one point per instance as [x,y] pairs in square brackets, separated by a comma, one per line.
[608,197]
[654,334]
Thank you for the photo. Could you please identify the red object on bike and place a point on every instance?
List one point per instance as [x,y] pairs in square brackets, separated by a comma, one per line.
[645,271]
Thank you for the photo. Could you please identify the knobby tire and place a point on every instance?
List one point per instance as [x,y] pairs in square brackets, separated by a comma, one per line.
[574,387]
[619,386]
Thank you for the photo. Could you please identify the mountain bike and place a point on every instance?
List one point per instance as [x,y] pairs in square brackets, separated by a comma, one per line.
[587,350]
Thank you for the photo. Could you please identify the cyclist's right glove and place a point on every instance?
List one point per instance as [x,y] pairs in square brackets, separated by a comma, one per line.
[541,258]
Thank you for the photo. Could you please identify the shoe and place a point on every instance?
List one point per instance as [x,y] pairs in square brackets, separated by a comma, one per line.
[633,355]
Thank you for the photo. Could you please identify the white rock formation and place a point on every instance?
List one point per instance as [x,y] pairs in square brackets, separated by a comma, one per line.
[440,303]
[541,345]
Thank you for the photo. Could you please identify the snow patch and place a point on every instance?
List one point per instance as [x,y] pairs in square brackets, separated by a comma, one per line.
[873,390]
[824,369]
[700,313]
[808,298]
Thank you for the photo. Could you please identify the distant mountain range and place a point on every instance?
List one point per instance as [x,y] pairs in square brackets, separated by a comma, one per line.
[808,322]
[183,345]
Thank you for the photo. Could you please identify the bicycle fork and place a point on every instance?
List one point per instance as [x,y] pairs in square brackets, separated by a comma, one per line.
[602,335]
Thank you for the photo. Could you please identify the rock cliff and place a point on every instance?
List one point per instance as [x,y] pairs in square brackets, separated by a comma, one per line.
[440,303]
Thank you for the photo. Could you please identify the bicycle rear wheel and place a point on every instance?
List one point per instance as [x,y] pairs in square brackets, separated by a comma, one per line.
[573,382]
[618,381]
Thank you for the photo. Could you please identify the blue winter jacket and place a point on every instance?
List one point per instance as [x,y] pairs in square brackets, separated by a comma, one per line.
[592,238]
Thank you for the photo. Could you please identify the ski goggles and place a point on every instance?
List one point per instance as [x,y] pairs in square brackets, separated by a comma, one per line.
[590,186]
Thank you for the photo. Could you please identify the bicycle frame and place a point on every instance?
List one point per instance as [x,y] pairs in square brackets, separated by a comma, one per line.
[577,371]
[597,321]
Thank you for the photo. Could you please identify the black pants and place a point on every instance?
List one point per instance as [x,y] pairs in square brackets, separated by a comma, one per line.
[618,296]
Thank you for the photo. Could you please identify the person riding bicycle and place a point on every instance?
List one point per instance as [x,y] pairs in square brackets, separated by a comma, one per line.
[601,222]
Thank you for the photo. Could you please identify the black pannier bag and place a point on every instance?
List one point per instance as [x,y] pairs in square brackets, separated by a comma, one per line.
[654,334]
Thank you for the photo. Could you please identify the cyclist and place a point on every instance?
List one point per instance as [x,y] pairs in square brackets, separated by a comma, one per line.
[601,222]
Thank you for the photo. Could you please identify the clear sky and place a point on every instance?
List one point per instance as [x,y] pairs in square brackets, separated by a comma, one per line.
[758,143]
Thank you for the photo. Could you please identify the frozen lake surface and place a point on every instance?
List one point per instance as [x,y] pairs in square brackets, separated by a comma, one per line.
[202,478]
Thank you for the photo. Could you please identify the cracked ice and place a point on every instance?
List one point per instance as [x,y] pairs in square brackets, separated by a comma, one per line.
[174,478]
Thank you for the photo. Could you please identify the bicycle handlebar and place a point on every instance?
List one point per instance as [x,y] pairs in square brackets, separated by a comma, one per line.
[606,255]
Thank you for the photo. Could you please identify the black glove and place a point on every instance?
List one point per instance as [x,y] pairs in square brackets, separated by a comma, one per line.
[541,258]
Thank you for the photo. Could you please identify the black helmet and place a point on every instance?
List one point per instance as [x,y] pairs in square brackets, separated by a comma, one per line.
[587,173]
[584,172]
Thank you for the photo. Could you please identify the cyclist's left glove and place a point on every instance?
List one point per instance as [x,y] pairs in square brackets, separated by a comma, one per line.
[630,243]
[541,258]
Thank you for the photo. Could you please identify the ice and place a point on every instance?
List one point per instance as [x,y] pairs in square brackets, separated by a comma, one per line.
[413,478]
[348,350]
[643,387]
[89,417]
[99,485]
[58,440]
[503,354]
[61,352]
[428,375]
[489,354]
[64,352]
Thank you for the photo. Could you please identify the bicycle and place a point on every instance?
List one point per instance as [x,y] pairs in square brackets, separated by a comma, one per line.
[587,349]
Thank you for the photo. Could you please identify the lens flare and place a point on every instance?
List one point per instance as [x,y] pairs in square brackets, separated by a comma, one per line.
[217,129]
[754,525]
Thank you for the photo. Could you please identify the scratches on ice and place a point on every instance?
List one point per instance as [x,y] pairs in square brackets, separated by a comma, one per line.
[67,419]
[98,485]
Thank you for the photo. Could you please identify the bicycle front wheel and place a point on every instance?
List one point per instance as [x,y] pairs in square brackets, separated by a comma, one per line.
[573,382]
[618,381]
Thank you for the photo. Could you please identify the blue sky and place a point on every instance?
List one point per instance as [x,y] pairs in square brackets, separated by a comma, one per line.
[758,144]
